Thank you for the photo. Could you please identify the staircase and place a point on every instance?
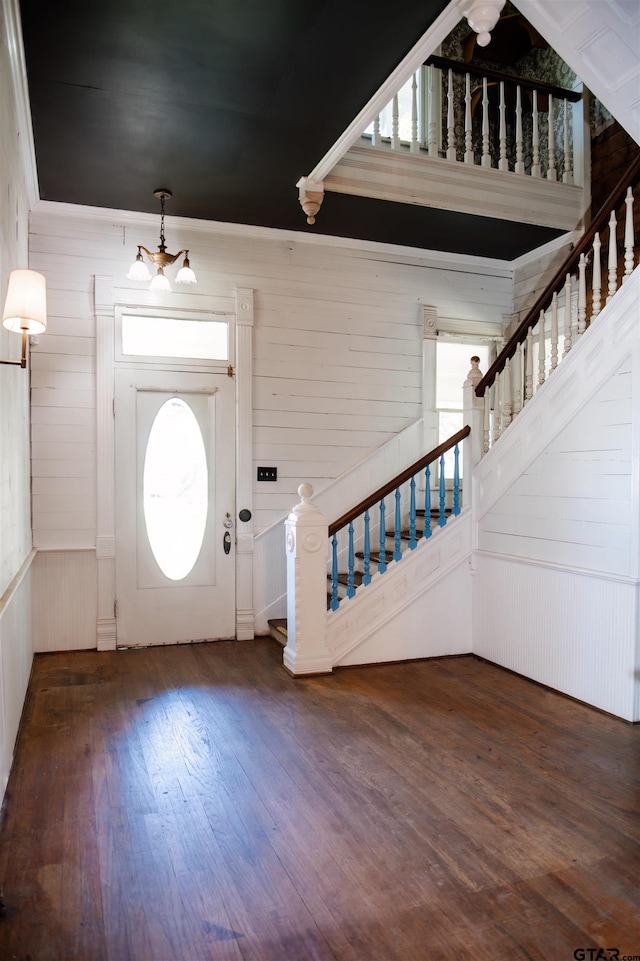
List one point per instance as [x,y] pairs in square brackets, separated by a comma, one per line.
[540,577]
[278,626]
[354,563]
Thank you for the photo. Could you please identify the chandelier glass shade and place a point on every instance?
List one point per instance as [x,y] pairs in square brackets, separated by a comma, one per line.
[161,259]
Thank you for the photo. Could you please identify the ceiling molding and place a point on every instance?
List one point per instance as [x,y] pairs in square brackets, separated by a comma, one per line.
[420,257]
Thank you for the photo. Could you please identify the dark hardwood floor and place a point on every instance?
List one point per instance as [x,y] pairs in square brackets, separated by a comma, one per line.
[195,803]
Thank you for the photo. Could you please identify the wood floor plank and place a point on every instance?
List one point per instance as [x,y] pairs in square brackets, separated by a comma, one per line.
[195,803]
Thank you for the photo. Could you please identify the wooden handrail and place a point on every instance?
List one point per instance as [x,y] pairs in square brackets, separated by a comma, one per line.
[628,179]
[397,481]
[525,82]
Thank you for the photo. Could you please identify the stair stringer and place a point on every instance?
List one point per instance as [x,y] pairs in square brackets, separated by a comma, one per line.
[420,607]
[594,359]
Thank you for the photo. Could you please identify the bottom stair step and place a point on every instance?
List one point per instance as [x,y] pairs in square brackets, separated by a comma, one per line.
[278,630]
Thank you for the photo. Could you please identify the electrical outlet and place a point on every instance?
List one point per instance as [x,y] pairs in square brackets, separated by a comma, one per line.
[267,473]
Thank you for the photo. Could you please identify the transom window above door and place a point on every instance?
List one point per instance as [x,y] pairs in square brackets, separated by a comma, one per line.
[159,334]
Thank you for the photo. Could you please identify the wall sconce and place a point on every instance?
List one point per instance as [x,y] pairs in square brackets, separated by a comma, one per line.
[25,309]
[161,259]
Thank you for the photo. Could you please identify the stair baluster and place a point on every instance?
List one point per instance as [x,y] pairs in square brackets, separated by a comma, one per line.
[351,564]
[486,156]
[335,603]
[554,332]
[456,481]
[366,564]
[412,514]
[612,262]
[468,133]
[516,376]
[628,236]
[582,295]
[507,404]
[519,167]
[567,175]
[382,563]
[535,165]
[567,315]
[427,503]
[541,350]
[433,141]
[397,529]
[395,125]
[442,520]
[552,173]
[503,163]
[451,124]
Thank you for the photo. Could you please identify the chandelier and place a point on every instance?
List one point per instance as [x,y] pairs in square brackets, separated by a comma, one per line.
[161,259]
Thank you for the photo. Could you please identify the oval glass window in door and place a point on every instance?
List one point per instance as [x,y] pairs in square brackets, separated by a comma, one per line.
[175,489]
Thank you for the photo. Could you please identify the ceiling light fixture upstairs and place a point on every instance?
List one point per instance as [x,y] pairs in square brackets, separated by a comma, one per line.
[161,259]
[482,16]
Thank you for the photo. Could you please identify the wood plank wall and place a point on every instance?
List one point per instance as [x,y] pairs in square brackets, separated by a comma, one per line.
[337,347]
[15,519]
[16,640]
[573,505]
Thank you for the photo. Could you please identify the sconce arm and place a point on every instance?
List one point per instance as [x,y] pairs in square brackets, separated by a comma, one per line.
[23,360]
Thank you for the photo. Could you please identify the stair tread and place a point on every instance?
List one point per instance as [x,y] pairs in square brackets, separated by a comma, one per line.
[343,578]
[278,627]
[405,534]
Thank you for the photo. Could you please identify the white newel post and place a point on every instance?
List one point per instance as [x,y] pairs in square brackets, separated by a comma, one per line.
[306,539]
[473,416]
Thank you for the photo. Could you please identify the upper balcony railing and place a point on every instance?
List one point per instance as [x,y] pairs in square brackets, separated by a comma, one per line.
[477,115]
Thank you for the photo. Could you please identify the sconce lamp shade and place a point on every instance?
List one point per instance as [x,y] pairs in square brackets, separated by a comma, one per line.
[25,308]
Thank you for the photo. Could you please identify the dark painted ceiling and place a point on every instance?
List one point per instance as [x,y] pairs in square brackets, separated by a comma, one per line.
[227,103]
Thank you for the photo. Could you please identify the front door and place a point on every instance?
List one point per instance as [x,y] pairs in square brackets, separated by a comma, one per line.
[175,474]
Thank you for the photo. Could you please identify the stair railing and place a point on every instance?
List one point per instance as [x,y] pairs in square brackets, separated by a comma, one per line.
[521,125]
[364,530]
[562,313]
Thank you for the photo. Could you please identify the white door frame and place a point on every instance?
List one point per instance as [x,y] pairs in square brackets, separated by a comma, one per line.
[104,307]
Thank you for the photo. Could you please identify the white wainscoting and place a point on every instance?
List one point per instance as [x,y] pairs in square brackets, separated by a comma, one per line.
[421,606]
[568,629]
[16,656]
[65,600]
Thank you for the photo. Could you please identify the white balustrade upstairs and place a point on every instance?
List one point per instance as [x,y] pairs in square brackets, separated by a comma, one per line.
[436,113]
[562,314]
